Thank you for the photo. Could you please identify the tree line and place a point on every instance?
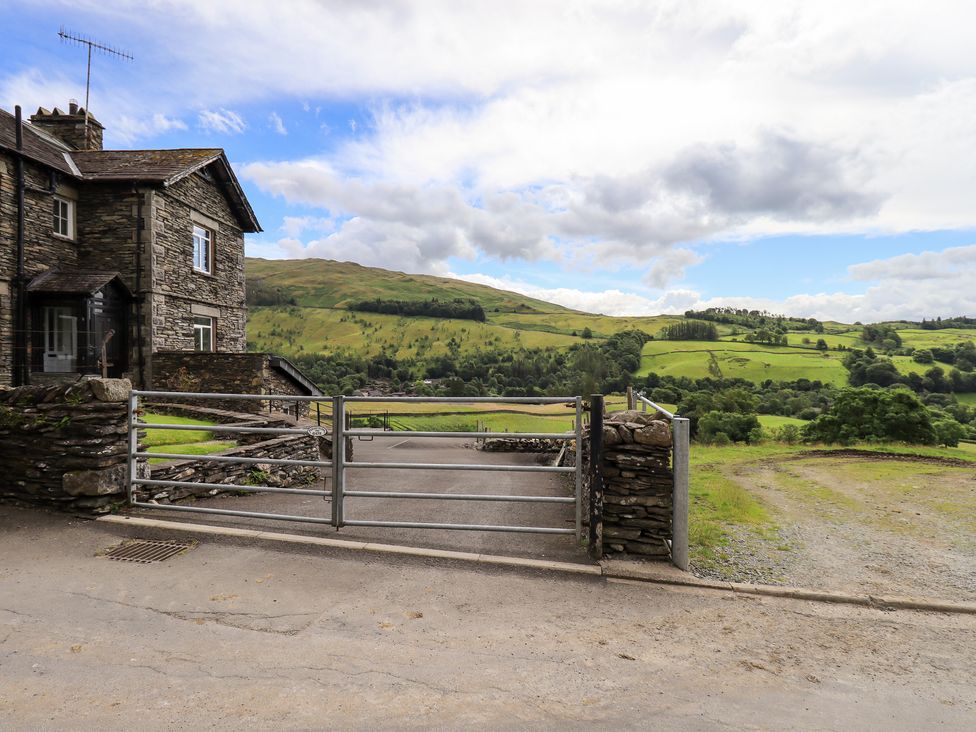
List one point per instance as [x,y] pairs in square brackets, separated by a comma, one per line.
[458,308]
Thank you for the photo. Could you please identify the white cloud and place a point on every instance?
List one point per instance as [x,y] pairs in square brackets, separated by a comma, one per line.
[222,121]
[607,134]
[670,266]
[277,124]
[295,226]
[907,287]
[120,111]
[948,264]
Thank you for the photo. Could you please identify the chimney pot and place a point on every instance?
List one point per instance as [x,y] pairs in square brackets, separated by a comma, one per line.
[72,106]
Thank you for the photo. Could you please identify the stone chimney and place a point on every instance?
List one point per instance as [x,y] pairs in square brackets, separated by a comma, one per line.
[69,126]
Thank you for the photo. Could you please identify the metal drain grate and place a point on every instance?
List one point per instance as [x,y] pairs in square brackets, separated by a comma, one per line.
[147,551]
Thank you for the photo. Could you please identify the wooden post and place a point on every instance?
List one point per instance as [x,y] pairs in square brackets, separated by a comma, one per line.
[631,402]
[104,352]
[596,476]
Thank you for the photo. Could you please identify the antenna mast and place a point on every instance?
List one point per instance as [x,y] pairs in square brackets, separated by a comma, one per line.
[90,43]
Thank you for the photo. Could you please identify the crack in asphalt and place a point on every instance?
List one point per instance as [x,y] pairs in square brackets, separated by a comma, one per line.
[215,615]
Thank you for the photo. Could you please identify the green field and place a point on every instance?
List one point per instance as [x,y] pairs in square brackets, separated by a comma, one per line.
[755,362]
[774,421]
[183,442]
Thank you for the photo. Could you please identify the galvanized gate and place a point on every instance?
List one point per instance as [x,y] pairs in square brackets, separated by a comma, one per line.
[343,484]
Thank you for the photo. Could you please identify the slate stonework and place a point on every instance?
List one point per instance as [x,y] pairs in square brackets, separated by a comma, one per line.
[109,237]
[65,444]
[638,484]
[228,373]
[286,447]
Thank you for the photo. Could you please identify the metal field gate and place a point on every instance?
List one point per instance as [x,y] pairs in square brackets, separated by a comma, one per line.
[342,472]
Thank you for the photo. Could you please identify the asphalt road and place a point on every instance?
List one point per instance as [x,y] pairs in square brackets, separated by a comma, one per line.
[425,450]
[235,635]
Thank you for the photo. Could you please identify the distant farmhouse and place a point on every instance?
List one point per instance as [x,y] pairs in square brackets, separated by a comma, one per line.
[125,262]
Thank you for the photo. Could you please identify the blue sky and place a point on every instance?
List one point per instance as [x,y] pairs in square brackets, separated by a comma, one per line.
[810,158]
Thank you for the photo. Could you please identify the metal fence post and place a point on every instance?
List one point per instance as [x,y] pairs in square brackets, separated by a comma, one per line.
[596,476]
[133,445]
[338,458]
[579,468]
[681,457]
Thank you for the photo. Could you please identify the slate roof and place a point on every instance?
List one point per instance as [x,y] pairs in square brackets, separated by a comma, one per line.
[72,282]
[38,146]
[156,167]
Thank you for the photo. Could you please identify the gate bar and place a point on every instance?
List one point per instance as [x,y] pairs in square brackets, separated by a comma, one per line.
[230,487]
[232,459]
[578,468]
[231,512]
[463,466]
[133,444]
[224,428]
[338,459]
[461,527]
[236,397]
[407,433]
[463,400]
[460,496]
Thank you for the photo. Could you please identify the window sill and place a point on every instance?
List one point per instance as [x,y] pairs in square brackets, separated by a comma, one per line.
[203,272]
[63,237]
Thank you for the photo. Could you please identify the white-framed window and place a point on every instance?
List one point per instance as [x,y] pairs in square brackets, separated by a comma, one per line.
[203,333]
[202,249]
[63,222]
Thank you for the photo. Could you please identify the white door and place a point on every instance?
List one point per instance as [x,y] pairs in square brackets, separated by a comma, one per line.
[60,339]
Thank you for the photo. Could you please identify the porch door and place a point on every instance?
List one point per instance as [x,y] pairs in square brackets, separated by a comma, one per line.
[60,338]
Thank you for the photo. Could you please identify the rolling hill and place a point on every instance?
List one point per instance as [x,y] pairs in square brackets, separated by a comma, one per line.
[320,322]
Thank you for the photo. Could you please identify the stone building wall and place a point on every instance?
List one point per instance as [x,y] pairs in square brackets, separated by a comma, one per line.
[65,445]
[42,248]
[178,291]
[108,235]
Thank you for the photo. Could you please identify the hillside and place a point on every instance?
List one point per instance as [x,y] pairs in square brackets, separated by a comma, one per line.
[319,322]
[323,283]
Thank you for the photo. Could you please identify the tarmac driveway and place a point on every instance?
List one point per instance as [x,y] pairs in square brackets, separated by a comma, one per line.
[232,636]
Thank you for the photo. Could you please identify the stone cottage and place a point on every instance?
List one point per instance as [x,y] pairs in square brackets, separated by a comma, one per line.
[123,262]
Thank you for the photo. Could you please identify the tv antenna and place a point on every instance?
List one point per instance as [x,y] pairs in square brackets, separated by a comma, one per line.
[90,43]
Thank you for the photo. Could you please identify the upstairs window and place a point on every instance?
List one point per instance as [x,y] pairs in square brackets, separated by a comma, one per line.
[203,333]
[202,249]
[63,223]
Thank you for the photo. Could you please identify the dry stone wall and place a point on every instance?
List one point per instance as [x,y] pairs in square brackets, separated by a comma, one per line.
[635,466]
[65,444]
[286,447]
[638,484]
[224,373]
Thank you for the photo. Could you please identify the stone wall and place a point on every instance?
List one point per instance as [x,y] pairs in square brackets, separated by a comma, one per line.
[42,248]
[638,484]
[65,445]
[226,373]
[178,291]
[286,447]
